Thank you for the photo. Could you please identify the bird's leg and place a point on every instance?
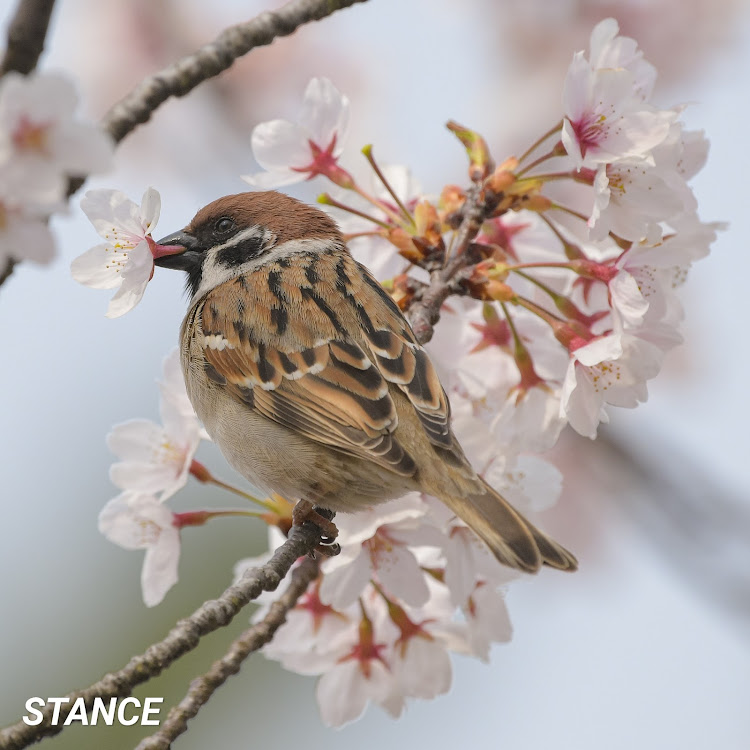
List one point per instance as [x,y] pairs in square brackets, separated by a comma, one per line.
[304,510]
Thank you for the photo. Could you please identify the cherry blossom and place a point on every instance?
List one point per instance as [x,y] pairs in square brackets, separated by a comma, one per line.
[487,620]
[292,152]
[137,520]
[156,458]
[605,120]
[376,543]
[610,370]
[41,144]
[126,260]
[609,50]
[24,233]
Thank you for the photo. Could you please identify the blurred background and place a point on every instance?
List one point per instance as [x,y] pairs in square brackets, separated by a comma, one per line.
[648,645]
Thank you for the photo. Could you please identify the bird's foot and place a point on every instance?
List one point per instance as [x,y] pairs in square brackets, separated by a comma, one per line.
[304,511]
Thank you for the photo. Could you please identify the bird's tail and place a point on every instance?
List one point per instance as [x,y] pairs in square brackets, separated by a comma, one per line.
[513,540]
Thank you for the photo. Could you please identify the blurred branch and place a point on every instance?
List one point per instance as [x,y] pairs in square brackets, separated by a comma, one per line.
[700,526]
[203,687]
[26,35]
[184,75]
[183,637]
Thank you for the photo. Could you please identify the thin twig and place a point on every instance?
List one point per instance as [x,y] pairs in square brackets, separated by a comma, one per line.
[203,687]
[183,637]
[26,35]
[184,75]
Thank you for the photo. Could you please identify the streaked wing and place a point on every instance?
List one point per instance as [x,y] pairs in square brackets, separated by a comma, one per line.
[314,346]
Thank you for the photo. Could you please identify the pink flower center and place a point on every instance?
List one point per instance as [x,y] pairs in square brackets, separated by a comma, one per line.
[30,136]
[590,131]
[311,604]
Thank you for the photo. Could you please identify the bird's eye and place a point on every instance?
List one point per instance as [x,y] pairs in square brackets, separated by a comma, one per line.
[223,225]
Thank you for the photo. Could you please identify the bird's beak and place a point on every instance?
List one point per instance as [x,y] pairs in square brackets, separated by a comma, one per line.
[179,251]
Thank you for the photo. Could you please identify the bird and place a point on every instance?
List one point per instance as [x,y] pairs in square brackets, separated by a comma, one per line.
[309,379]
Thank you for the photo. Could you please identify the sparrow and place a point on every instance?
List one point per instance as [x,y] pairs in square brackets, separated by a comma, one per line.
[309,379]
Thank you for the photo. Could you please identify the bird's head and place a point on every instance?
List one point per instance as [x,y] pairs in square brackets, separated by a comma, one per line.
[239,233]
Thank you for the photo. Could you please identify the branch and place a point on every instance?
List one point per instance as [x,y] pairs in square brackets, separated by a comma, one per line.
[183,637]
[424,311]
[26,35]
[184,75]
[202,688]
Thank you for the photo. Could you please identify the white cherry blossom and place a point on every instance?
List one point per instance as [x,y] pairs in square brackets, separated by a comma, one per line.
[631,198]
[604,119]
[609,50]
[41,142]
[609,370]
[487,620]
[293,152]
[126,260]
[137,520]
[376,544]
[156,458]
[24,233]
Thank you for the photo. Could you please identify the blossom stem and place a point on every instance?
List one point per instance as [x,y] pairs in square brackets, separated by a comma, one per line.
[551,154]
[539,311]
[572,251]
[199,517]
[569,211]
[539,142]
[546,177]
[569,265]
[237,491]
[356,235]
[327,200]
[367,151]
[392,215]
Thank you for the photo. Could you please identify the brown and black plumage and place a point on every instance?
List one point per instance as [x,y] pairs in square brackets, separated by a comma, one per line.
[310,380]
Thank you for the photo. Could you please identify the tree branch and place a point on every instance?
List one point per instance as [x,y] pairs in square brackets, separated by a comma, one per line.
[26,35]
[203,687]
[184,637]
[184,75]
[424,311]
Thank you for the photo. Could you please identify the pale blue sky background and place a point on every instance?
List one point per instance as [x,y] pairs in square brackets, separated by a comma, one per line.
[629,653]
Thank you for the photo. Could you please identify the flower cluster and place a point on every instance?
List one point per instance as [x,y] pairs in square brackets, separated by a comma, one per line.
[565,304]
[571,304]
[42,146]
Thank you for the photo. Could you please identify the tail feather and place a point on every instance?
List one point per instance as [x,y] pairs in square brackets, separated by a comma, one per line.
[513,540]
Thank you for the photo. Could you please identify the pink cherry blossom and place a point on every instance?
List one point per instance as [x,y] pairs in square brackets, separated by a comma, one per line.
[604,119]
[41,142]
[292,152]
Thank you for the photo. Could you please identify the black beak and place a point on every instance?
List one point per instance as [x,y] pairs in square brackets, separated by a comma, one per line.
[179,251]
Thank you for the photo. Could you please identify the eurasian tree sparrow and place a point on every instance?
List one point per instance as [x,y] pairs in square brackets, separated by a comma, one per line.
[308,377]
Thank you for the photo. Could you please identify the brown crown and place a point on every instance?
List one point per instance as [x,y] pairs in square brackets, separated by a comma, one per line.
[287,218]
